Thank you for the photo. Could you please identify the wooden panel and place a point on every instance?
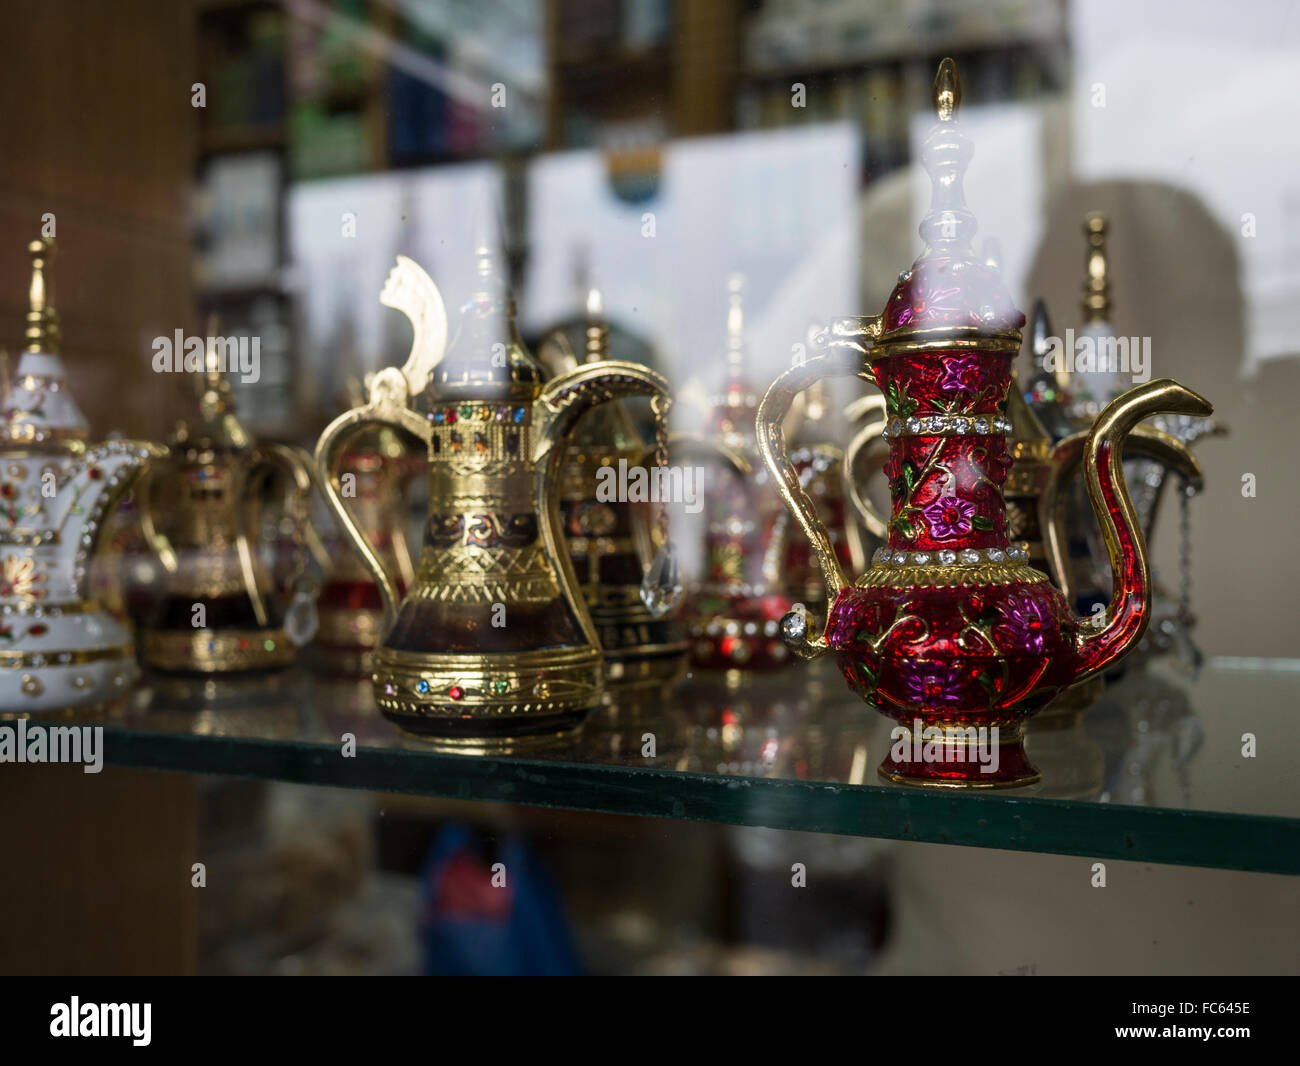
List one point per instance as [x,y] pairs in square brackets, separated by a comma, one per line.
[98,128]
[98,866]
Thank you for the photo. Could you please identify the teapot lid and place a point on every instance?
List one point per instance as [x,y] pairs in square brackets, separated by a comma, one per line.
[217,426]
[37,405]
[486,358]
[733,411]
[949,289]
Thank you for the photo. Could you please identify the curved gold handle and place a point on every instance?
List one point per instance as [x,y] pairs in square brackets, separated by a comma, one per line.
[154,537]
[265,458]
[298,463]
[388,405]
[841,361]
[1066,458]
[866,440]
[555,412]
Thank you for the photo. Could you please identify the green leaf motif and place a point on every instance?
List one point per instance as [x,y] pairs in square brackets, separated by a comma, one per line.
[900,403]
[905,527]
[982,522]
[909,476]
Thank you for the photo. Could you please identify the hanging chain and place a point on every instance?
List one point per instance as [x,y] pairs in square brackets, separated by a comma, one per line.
[660,405]
[1185,552]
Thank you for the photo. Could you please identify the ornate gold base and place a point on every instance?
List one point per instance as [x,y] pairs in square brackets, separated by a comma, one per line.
[216,651]
[473,697]
[954,761]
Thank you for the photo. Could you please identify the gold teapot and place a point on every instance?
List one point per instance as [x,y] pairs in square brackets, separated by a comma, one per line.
[611,542]
[494,640]
[200,509]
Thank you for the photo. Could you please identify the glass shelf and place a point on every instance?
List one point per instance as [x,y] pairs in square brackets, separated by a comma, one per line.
[1154,772]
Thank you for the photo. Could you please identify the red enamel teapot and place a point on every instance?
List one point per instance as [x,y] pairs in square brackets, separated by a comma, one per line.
[951,631]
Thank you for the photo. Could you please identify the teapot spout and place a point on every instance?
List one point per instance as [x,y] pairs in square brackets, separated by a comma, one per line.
[1129,611]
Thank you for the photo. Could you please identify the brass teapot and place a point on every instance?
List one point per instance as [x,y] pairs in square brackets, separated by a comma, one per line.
[612,542]
[494,640]
[1066,391]
[218,612]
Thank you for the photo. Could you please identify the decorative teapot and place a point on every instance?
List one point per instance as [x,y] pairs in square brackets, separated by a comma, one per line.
[951,631]
[493,640]
[612,541]
[734,612]
[1034,493]
[58,647]
[217,612]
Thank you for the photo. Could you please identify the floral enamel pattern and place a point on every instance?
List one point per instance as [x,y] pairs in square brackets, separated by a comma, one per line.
[21,579]
[945,487]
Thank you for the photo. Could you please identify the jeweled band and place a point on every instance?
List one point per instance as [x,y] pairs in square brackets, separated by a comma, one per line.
[217,651]
[473,696]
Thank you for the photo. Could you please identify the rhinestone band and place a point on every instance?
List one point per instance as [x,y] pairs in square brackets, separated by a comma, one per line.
[50,610]
[29,537]
[946,426]
[950,557]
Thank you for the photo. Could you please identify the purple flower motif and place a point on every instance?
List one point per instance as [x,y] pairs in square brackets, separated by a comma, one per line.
[1025,624]
[961,373]
[931,684]
[949,516]
[928,303]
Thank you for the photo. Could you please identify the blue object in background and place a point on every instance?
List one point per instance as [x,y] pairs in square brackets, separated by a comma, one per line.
[471,927]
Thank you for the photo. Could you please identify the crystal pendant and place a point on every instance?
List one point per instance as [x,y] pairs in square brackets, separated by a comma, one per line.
[1187,656]
[661,588]
[301,620]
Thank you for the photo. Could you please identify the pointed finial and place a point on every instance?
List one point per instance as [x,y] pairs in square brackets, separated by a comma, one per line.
[948,227]
[212,372]
[947,91]
[597,331]
[42,333]
[1096,286]
[1040,332]
[216,398]
[735,326]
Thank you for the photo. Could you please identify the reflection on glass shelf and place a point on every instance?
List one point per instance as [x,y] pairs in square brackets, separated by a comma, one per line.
[1155,771]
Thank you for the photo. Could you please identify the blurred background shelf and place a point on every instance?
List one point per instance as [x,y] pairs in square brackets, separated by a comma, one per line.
[1155,775]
